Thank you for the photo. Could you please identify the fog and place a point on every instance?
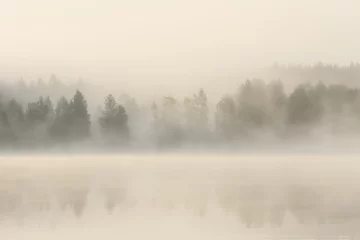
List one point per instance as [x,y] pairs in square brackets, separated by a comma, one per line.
[162,45]
[192,119]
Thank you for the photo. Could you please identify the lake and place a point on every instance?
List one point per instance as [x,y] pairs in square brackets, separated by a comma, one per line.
[179,196]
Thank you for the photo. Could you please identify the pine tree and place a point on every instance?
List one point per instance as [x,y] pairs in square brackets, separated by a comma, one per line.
[71,119]
[61,125]
[114,120]
[80,118]
[225,117]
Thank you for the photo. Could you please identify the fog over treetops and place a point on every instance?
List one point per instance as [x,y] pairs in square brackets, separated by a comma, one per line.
[305,106]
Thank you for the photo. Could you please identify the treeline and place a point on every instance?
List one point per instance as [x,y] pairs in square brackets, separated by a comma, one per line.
[328,73]
[41,123]
[256,111]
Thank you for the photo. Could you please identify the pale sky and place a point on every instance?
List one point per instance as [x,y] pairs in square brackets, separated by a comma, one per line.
[149,42]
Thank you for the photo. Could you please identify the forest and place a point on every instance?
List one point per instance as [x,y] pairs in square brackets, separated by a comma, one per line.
[258,111]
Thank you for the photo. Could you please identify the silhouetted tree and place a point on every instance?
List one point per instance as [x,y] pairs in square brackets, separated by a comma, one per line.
[197,110]
[61,126]
[39,112]
[252,105]
[225,117]
[304,106]
[15,112]
[16,118]
[113,120]
[80,118]
[71,119]
[7,135]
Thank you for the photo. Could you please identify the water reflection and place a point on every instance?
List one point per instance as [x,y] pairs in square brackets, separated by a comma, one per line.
[270,201]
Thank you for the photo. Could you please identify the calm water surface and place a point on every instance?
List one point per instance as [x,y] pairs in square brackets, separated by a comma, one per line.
[179,197]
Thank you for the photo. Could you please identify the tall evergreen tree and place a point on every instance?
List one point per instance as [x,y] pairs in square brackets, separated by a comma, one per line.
[80,118]
[225,117]
[304,106]
[7,135]
[15,112]
[71,119]
[197,111]
[113,120]
[253,105]
[61,126]
[39,112]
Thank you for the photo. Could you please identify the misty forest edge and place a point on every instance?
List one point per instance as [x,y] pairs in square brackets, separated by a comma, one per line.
[258,110]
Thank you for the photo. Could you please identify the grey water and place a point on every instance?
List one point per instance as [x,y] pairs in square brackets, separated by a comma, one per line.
[179,197]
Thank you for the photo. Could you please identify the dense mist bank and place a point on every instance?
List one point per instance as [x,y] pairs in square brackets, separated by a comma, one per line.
[259,115]
[328,73]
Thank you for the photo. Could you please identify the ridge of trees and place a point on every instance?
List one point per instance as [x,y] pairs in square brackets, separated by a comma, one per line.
[256,107]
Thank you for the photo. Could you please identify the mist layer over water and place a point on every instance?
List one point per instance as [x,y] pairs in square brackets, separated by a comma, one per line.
[178,197]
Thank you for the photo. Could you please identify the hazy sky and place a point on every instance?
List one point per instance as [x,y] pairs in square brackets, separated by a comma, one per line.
[163,41]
